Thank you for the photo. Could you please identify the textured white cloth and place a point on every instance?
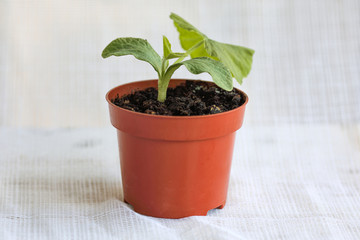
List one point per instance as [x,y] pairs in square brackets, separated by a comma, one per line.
[287,182]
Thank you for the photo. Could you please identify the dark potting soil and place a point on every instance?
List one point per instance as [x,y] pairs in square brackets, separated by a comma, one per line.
[190,99]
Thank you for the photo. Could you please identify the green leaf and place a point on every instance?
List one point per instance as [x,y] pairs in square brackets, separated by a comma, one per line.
[168,53]
[139,48]
[183,23]
[236,58]
[166,47]
[188,39]
[190,36]
[219,73]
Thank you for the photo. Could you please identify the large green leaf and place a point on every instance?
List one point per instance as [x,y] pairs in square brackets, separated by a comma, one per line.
[139,48]
[238,59]
[189,38]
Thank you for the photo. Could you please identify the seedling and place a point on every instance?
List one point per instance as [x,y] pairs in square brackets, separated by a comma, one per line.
[221,60]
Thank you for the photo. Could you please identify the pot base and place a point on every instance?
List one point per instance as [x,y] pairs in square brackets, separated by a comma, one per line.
[171,215]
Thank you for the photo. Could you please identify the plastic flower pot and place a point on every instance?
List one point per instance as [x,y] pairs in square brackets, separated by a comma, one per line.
[174,166]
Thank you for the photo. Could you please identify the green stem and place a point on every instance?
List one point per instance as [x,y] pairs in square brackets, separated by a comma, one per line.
[164,62]
[161,89]
[162,93]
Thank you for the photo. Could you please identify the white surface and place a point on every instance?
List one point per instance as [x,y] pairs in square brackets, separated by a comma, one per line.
[306,64]
[287,182]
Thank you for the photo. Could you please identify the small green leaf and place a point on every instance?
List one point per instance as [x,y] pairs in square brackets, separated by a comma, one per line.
[168,53]
[139,48]
[236,58]
[166,47]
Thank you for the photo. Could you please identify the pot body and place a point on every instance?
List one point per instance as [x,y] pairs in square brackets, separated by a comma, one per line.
[174,166]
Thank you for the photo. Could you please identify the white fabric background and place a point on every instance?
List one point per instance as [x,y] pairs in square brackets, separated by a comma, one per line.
[306,65]
[296,167]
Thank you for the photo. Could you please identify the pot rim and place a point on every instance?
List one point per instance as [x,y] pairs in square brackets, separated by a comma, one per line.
[173,117]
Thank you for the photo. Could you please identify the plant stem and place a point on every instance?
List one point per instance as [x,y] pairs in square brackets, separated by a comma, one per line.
[161,94]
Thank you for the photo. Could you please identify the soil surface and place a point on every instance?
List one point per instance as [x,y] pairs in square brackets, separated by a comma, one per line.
[190,99]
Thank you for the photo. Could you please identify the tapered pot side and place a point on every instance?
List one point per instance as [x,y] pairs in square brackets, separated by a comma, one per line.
[174,166]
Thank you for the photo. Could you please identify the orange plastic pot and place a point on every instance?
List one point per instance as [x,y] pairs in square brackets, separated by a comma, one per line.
[174,166]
